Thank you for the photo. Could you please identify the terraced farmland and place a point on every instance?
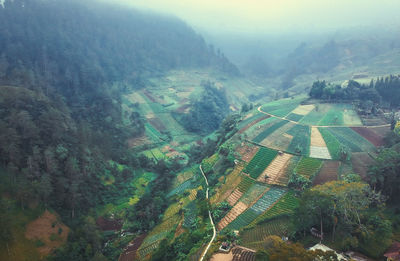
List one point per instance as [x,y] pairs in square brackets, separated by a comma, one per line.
[234,197]
[318,147]
[275,172]
[370,135]
[243,220]
[253,193]
[282,107]
[285,206]
[351,139]
[304,109]
[300,143]
[260,137]
[279,140]
[294,117]
[308,167]
[238,209]
[278,227]
[331,142]
[327,173]
[245,184]
[269,198]
[260,161]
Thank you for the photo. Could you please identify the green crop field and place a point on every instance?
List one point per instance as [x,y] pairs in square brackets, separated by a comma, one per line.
[245,184]
[269,198]
[294,117]
[282,107]
[307,167]
[333,117]
[253,193]
[243,220]
[351,139]
[331,142]
[260,161]
[277,227]
[301,140]
[257,115]
[285,206]
[260,137]
[208,163]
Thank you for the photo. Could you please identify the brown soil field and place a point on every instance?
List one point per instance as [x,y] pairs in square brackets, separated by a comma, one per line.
[276,170]
[316,138]
[303,109]
[231,182]
[222,257]
[48,229]
[130,252]
[107,225]
[327,173]
[234,197]
[360,162]
[370,135]
[238,209]
[138,141]
[246,151]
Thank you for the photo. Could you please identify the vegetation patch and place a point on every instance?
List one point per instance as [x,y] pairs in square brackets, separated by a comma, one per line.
[260,137]
[300,143]
[294,117]
[331,142]
[308,167]
[260,161]
[328,172]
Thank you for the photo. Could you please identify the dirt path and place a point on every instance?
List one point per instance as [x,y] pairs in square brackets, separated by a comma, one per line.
[333,126]
[211,220]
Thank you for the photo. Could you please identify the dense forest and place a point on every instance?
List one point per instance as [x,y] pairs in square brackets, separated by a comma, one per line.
[384,91]
[61,126]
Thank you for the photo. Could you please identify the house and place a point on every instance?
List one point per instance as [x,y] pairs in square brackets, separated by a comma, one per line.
[393,253]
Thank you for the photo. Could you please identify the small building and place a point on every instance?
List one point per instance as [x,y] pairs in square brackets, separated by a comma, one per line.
[393,253]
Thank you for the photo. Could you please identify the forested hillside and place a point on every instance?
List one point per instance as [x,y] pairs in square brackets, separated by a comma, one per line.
[64,66]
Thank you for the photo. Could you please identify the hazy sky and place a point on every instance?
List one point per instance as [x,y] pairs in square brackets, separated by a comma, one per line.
[276,15]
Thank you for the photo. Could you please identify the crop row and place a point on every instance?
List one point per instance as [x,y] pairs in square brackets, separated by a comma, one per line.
[261,232]
[190,215]
[294,117]
[260,137]
[243,220]
[181,188]
[285,206]
[249,120]
[301,139]
[260,161]
[253,193]
[269,198]
[331,142]
[356,142]
[307,167]
[245,184]
[333,117]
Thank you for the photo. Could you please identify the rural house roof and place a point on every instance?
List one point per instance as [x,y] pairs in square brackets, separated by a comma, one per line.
[393,253]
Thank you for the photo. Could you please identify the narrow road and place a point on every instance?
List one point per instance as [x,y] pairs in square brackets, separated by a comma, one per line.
[295,122]
[211,220]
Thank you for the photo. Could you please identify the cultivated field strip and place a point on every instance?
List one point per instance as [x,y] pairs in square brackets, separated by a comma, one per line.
[276,135]
[316,138]
[238,209]
[253,193]
[307,167]
[260,161]
[304,109]
[273,173]
[327,173]
[234,197]
[260,137]
[260,233]
[319,152]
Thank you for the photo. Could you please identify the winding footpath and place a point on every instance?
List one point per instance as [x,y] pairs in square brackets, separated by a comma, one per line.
[211,220]
[295,122]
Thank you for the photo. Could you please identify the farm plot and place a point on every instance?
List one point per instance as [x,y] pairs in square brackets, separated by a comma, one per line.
[253,193]
[185,175]
[274,173]
[234,197]
[361,162]
[318,147]
[181,188]
[275,107]
[269,198]
[260,137]
[189,214]
[238,209]
[313,117]
[308,167]
[253,123]
[294,117]
[250,118]
[260,161]
[260,127]
[333,117]
[300,143]
[245,184]
[370,135]
[328,172]
[350,117]
[278,140]
[243,220]
[304,109]
[247,151]
[231,181]
[208,163]
[130,252]
[277,227]
[156,123]
[331,142]
[285,206]
[351,139]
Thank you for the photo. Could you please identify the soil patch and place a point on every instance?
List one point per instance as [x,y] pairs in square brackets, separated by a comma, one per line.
[327,173]
[49,230]
[370,135]
[247,152]
[109,225]
[157,123]
[130,252]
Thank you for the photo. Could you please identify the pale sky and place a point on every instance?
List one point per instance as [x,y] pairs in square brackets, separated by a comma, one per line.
[276,15]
